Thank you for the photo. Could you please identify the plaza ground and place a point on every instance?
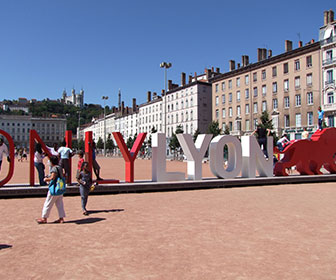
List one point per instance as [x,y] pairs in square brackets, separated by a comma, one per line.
[269,232]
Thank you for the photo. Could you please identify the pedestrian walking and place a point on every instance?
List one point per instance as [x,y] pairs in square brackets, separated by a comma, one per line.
[3,150]
[85,182]
[65,153]
[320,117]
[56,171]
[262,134]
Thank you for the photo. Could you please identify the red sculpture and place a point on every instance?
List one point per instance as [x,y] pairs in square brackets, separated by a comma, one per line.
[310,154]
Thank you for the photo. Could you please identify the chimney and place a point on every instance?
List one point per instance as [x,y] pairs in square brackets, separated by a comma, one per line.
[269,53]
[264,54]
[170,85]
[217,70]
[113,109]
[245,60]
[195,75]
[189,79]
[154,95]
[300,44]
[232,65]
[134,104]
[288,45]
[208,73]
[127,110]
[312,41]
[212,69]
[238,65]
[162,92]
[149,96]
[326,17]
[331,16]
[183,79]
[259,54]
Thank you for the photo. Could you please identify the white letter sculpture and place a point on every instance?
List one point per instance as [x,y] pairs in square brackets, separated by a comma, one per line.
[159,173]
[217,156]
[194,153]
[254,159]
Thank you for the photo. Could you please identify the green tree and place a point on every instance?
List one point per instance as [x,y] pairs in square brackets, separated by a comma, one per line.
[149,142]
[174,144]
[196,133]
[227,130]
[110,143]
[214,128]
[100,143]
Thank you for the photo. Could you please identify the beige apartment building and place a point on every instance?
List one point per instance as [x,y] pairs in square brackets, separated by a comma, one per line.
[287,86]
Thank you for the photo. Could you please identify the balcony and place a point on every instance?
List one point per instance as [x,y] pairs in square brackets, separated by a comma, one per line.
[328,61]
[330,83]
[328,41]
[329,107]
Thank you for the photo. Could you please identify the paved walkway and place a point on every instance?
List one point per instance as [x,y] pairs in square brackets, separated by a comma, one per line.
[276,232]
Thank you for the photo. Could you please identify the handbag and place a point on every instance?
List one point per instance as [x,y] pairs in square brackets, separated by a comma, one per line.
[57,186]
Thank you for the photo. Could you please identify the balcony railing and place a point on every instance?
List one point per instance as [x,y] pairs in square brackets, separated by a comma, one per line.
[329,82]
[329,107]
[329,61]
[328,41]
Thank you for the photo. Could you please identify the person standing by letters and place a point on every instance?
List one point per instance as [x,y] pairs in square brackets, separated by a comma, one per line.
[320,117]
[3,150]
[262,134]
[65,153]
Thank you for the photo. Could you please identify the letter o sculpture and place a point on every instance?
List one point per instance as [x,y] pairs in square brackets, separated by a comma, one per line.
[217,156]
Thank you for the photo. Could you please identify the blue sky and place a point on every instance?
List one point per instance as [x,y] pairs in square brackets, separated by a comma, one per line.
[103,45]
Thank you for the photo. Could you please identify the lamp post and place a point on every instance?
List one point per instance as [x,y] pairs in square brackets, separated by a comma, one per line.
[165,65]
[104,98]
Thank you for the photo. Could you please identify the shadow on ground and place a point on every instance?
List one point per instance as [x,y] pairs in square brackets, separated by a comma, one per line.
[85,221]
[105,211]
[5,246]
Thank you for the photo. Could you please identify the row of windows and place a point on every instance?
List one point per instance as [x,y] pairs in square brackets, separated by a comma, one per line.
[186,117]
[171,106]
[186,129]
[275,122]
[275,105]
[297,67]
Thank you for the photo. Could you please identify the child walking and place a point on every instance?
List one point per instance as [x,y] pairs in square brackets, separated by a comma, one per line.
[85,182]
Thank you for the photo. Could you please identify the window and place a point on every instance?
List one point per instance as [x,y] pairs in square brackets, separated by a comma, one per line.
[275,87]
[223,86]
[309,79]
[191,115]
[223,98]
[330,77]
[274,71]
[216,87]
[247,108]
[230,126]
[246,79]
[217,115]
[298,100]
[230,84]
[310,120]
[286,120]
[286,102]
[264,90]
[176,118]
[310,99]
[264,106]
[330,97]
[223,126]
[187,103]
[297,82]
[329,56]
[238,95]
[176,106]
[217,100]
[309,61]
[247,93]
[285,68]
[255,91]
[238,110]
[297,65]
[286,85]
[182,105]
[230,112]
[255,107]
[255,77]
[191,102]
[263,74]
[230,97]
[223,113]
[275,104]
[247,125]
[238,82]
[298,120]
[255,123]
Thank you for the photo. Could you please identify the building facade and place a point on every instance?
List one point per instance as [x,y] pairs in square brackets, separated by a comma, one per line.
[327,37]
[50,130]
[287,86]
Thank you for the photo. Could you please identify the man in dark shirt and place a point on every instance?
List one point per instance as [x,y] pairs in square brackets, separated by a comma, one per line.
[262,134]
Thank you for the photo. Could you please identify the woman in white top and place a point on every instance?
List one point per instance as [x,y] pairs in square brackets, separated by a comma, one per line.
[38,162]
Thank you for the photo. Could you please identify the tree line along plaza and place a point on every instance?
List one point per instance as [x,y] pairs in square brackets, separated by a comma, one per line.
[289,87]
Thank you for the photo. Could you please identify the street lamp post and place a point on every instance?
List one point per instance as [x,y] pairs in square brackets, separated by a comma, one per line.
[104,98]
[78,136]
[165,65]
